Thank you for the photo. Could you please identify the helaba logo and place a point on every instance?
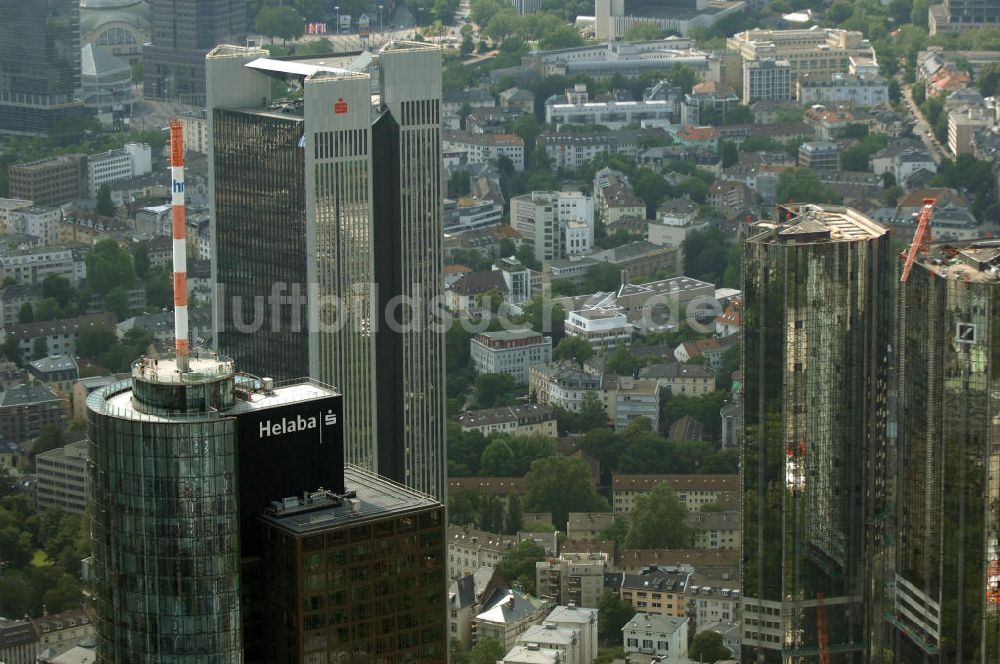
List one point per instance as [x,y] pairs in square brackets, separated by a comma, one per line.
[340,106]
[298,423]
[177,186]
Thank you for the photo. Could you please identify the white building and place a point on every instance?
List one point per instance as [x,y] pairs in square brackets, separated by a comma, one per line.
[470,213]
[858,90]
[576,578]
[962,125]
[195,133]
[484,148]
[541,218]
[549,637]
[510,352]
[659,635]
[579,238]
[629,399]
[768,80]
[7,207]
[38,221]
[611,114]
[603,329]
[582,619]
[133,160]
[31,266]
[810,50]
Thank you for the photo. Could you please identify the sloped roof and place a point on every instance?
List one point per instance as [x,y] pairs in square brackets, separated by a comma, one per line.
[96,61]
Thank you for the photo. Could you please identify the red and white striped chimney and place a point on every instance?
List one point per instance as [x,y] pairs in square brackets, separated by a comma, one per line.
[180,250]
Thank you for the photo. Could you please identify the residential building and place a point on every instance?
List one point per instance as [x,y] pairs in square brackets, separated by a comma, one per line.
[9,206]
[654,634]
[657,590]
[541,218]
[26,410]
[945,563]
[710,601]
[510,352]
[34,264]
[60,632]
[860,90]
[698,137]
[490,120]
[610,114]
[708,99]
[731,638]
[576,578]
[602,328]
[453,100]
[695,491]
[80,227]
[507,615]
[732,423]
[716,530]
[515,420]
[588,525]
[484,148]
[517,99]
[584,620]
[195,132]
[51,181]
[470,550]
[38,220]
[804,361]
[686,428]
[522,282]
[807,51]
[160,326]
[18,641]
[61,478]
[59,335]
[820,155]
[304,232]
[903,159]
[475,293]
[572,150]
[60,371]
[768,79]
[614,197]
[133,160]
[962,125]
[681,379]
[15,296]
[465,599]
[833,124]
[531,653]
[563,642]
[309,546]
[562,385]
[183,32]
[730,321]
[730,198]
[712,349]
[627,399]
[40,58]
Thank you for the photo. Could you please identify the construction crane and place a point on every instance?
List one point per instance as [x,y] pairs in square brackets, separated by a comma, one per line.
[921,238]
[824,651]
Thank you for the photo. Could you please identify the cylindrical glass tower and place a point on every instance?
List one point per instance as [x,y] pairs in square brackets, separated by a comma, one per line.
[165,539]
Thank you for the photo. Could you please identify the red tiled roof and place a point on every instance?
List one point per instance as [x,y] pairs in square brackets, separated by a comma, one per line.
[691,133]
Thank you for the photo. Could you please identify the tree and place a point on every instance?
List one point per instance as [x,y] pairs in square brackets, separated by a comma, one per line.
[491,389]
[682,76]
[892,195]
[159,289]
[459,184]
[140,260]
[39,348]
[26,314]
[659,521]
[488,650]
[802,185]
[94,340]
[616,532]
[989,80]
[59,288]
[7,484]
[117,301]
[283,22]
[564,36]
[560,485]
[47,309]
[707,647]
[623,362]
[728,153]
[514,520]
[104,207]
[643,32]
[51,438]
[573,348]
[602,277]
[497,459]
[592,415]
[109,267]
[518,566]
[652,188]
[615,614]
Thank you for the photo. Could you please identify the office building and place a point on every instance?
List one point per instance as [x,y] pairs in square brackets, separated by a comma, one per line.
[133,160]
[39,65]
[959,15]
[183,32]
[613,18]
[768,79]
[510,352]
[27,409]
[322,221]
[808,51]
[355,578]
[61,478]
[947,558]
[51,181]
[106,84]
[182,463]
[817,324]
[542,219]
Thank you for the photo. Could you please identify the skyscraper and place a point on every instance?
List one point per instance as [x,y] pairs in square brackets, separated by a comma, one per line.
[817,323]
[358,255]
[39,65]
[183,32]
[182,463]
[947,583]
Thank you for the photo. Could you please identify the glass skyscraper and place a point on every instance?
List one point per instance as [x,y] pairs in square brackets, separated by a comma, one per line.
[371,184]
[947,576]
[39,64]
[181,464]
[817,323]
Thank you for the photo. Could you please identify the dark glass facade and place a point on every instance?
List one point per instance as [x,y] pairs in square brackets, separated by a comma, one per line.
[183,32]
[947,600]
[817,324]
[974,11]
[39,64]
[260,230]
[165,530]
[364,586]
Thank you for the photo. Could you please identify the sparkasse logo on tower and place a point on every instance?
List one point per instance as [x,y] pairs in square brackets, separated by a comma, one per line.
[285,425]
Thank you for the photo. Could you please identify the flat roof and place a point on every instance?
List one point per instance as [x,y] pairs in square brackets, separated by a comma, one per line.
[376,498]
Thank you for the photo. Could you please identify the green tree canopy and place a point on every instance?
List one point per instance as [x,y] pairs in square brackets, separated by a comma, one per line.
[564,36]
[623,362]
[518,566]
[283,22]
[643,32]
[615,614]
[659,521]
[707,646]
[493,389]
[26,314]
[104,206]
[109,267]
[560,485]
[802,185]
[573,348]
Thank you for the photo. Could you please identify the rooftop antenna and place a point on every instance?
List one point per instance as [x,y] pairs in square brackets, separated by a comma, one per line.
[179,248]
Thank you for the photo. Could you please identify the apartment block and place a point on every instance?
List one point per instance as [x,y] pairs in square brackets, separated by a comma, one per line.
[61,478]
[695,491]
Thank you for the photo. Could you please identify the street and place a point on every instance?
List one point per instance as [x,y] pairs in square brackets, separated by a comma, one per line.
[921,128]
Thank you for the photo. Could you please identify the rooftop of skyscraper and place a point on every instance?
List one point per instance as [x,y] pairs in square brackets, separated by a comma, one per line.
[812,223]
[977,261]
[369,496]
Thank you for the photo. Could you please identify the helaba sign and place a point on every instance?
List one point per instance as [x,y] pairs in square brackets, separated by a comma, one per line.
[285,425]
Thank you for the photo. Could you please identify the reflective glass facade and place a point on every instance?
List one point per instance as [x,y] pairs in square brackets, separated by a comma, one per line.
[260,233]
[947,603]
[165,530]
[39,64]
[817,324]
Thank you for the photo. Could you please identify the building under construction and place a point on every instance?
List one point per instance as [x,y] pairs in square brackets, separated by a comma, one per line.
[817,330]
[947,577]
